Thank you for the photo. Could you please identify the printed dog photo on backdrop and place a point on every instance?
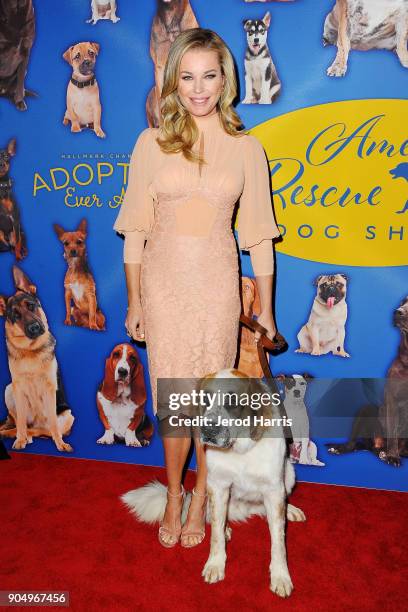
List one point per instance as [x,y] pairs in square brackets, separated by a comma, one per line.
[249,473]
[302,450]
[12,237]
[17,32]
[365,25]
[262,84]
[81,306]
[248,352]
[35,398]
[325,329]
[383,429]
[121,399]
[84,108]
[103,9]
[171,18]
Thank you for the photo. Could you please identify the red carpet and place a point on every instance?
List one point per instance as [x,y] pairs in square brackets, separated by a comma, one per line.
[64,528]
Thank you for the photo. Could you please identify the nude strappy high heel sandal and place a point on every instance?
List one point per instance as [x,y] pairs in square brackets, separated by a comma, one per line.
[173,533]
[198,533]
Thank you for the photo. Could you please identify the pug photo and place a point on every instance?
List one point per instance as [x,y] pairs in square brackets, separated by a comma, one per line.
[83,105]
[325,331]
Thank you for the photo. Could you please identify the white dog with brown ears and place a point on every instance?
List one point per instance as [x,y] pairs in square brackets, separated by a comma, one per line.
[249,473]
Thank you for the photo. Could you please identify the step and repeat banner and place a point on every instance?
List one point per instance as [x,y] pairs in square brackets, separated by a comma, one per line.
[333,125]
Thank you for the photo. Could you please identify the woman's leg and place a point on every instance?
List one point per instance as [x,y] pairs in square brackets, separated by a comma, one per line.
[195,522]
[175,453]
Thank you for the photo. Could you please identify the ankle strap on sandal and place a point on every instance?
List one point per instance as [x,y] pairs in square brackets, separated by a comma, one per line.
[199,494]
[176,494]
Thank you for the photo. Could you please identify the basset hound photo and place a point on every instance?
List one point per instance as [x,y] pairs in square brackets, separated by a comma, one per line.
[121,399]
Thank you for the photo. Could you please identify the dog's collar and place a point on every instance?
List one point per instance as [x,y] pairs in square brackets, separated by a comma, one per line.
[82,84]
[5,185]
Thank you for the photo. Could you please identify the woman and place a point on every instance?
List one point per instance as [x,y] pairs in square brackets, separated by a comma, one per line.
[183,286]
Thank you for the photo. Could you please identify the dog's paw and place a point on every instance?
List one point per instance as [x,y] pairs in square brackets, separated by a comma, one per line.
[281,585]
[130,438]
[19,443]
[99,132]
[295,514]
[316,352]
[300,350]
[75,127]
[337,70]
[107,438]
[213,571]
[68,321]
[228,533]
[390,459]
[21,105]
[65,447]
[341,353]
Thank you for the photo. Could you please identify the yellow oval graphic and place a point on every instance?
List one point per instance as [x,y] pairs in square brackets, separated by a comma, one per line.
[339,175]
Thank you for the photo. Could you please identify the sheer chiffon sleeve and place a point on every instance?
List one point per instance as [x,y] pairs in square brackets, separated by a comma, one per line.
[136,211]
[256,221]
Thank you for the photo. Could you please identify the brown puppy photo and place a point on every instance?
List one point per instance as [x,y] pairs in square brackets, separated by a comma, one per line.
[80,290]
[83,105]
[32,397]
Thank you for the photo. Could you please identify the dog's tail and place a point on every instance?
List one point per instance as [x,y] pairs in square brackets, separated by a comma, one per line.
[148,503]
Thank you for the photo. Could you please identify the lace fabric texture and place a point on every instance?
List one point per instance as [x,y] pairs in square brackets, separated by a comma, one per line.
[189,266]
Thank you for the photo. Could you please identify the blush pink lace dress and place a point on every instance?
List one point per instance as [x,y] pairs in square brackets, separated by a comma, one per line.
[189,268]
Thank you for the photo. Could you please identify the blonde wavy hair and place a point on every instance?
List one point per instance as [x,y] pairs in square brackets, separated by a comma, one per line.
[178,131]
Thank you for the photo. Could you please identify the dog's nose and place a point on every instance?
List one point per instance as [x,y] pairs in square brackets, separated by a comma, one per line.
[34,329]
[73,253]
[296,393]
[122,372]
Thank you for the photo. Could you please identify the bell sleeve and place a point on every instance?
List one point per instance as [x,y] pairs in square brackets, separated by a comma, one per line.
[136,212]
[256,221]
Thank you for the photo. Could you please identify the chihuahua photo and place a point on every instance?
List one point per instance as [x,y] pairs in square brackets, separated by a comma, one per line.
[83,105]
[80,290]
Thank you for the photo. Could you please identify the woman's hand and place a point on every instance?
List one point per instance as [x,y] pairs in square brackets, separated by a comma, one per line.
[266,319]
[134,321]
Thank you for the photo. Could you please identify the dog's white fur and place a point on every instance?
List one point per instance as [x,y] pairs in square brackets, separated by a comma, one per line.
[297,411]
[253,477]
[110,13]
